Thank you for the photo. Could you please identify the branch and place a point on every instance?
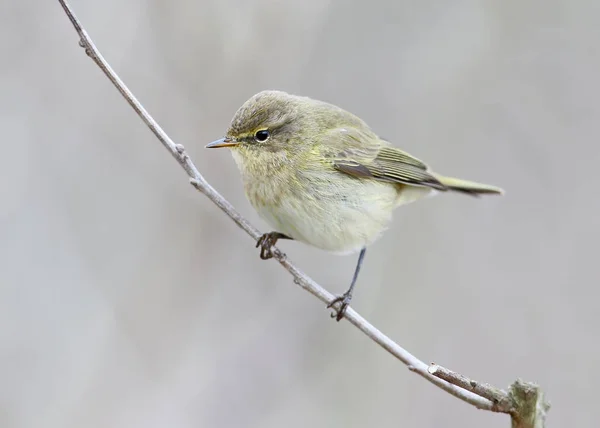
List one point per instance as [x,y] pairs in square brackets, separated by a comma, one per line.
[524,401]
[462,391]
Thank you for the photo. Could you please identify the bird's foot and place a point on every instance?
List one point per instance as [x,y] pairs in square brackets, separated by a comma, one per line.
[266,243]
[344,301]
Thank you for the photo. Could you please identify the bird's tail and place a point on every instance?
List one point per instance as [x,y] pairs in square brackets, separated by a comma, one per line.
[468,187]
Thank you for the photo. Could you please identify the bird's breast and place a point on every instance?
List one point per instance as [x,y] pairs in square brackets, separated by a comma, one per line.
[327,210]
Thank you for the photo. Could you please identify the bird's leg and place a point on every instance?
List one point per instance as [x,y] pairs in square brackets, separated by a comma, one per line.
[268,240]
[345,298]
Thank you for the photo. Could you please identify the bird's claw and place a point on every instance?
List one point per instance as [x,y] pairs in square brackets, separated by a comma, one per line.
[344,301]
[266,242]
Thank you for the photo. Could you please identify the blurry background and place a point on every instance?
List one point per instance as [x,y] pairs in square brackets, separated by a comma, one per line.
[128,300]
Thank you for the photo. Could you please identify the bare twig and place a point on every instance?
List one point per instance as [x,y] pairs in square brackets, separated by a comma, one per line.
[469,394]
[497,396]
[524,401]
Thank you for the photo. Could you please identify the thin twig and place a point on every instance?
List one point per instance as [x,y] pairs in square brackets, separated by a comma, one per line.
[524,401]
[499,397]
[198,181]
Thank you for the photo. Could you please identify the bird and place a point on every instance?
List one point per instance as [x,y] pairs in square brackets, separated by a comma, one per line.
[319,174]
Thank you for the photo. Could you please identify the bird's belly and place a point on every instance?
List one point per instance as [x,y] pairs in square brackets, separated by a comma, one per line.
[338,218]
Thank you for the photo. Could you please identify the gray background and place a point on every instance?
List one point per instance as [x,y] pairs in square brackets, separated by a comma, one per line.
[128,300]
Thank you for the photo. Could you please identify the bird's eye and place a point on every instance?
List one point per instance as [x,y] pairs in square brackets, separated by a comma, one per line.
[262,135]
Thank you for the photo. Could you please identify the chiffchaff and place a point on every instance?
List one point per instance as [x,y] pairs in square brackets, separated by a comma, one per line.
[318,174]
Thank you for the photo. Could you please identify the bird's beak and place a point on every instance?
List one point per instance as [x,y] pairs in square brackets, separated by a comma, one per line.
[223,142]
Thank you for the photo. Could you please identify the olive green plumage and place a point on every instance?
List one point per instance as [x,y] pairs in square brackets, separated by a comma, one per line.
[320,175]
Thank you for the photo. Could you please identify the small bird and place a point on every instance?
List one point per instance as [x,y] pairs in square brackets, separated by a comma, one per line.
[318,174]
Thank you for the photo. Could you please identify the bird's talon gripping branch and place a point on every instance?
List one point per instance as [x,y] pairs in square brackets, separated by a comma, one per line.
[266,243]
[344,301]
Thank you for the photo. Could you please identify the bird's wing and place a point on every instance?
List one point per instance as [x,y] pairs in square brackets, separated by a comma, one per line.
[363,155]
